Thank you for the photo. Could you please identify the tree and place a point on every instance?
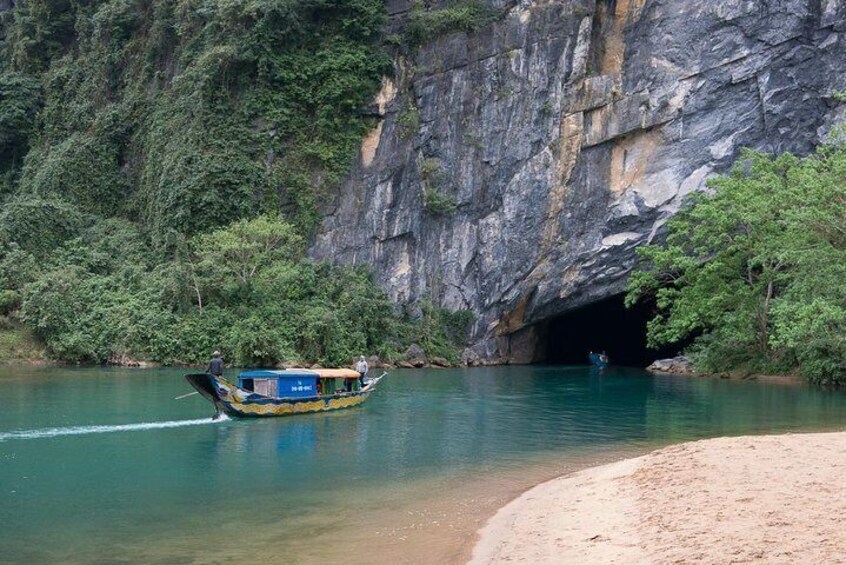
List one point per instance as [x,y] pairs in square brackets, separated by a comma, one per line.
[237,253]
[753,270]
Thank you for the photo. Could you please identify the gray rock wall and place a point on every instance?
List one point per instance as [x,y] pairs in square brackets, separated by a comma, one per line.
[566,135]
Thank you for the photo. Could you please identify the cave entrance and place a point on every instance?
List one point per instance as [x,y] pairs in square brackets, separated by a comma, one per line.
[608,326]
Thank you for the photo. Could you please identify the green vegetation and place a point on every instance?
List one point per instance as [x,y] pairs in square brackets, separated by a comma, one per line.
[246,289]
[409,121]
[473,140]
[437,203]
[162,165]
[754,272]
[189,115]
[18,344]
[461,15]
[441,333]
[430,168]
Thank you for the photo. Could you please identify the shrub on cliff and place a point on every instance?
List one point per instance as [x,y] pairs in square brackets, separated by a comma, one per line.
[460,15]
[755,270]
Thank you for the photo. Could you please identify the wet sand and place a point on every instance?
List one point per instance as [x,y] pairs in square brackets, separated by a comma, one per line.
[765,499]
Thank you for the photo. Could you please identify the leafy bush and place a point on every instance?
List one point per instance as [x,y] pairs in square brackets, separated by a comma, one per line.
[38,225]
[9,301]
[408,121]
[464,15]
[429,168]
[438,203]
[20,97]
[40,31]
[439,332]
[754,271]
[83,169]
[246,289]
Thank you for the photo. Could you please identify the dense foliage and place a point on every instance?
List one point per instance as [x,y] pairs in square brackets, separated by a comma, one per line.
[187,114]
[458,15]
[755,270]
[162,163]
[246,289]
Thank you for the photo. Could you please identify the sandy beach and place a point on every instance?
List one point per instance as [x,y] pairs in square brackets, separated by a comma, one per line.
[762,499]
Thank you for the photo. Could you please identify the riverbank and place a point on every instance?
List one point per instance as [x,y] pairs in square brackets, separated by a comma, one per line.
[755,498]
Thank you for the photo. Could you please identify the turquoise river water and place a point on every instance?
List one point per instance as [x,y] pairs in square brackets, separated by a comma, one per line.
[104,466]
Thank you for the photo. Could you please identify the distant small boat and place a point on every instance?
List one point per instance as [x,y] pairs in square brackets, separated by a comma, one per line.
[599,360]
[283,392]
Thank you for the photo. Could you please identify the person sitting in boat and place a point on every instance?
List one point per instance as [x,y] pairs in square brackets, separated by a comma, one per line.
[215,365]
[603,357]
[362,368]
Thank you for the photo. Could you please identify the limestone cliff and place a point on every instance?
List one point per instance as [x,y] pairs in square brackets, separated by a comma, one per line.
[562,137]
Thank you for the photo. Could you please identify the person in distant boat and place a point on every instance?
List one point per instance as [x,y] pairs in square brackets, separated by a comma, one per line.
[362,368]
[603,357]
[215,365]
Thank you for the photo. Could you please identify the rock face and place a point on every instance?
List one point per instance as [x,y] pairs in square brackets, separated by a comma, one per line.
[562,137]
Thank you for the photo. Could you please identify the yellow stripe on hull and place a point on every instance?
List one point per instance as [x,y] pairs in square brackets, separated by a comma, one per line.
[235,401]
[285,409]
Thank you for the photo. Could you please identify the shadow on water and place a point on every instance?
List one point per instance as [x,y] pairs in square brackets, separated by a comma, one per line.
[417,467]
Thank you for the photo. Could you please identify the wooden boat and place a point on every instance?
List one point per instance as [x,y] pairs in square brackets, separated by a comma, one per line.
[283,392]
[598,360]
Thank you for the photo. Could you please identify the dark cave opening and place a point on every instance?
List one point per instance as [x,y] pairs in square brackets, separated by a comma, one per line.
[608,326]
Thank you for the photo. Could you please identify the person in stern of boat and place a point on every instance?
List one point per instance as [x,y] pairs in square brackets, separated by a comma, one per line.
[215,365]
[362,368]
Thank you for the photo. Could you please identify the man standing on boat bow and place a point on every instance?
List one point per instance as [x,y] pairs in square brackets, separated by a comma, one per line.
[215,365]
[361,367]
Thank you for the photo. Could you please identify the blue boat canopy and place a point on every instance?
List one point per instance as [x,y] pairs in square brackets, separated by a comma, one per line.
[287,383]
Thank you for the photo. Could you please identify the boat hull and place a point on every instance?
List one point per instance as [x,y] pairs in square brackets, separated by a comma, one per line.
[236,402]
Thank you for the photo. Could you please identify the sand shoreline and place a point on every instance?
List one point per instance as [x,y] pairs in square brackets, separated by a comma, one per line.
[726,500]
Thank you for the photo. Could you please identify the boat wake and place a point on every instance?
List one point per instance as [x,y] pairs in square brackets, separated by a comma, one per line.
[83,430]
